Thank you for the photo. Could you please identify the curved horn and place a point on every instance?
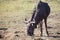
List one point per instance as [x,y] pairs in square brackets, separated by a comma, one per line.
[27,21]
[32,22]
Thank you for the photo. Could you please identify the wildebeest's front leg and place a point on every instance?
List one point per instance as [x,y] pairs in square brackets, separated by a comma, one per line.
[45,20]
[41,27]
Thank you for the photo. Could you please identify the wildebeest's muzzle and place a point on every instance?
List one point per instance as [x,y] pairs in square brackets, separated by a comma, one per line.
[30,30]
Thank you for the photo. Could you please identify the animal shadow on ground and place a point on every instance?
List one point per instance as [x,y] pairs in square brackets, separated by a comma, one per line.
[49,27]
[44,38]
[3,29]
[55,36]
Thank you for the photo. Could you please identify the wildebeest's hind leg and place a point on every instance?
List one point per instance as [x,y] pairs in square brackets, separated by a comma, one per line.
[45,20]
[41,27]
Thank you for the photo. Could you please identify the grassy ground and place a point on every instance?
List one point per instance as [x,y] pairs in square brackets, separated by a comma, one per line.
[13,13]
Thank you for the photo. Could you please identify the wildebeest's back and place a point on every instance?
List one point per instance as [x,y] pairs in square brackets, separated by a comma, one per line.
[43,11]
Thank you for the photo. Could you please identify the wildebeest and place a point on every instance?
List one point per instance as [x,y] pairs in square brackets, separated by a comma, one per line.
[40,13]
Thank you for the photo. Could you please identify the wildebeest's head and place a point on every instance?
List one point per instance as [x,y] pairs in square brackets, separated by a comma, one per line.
[30,25]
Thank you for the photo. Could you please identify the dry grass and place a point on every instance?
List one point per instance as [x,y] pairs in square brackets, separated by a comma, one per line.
[13,13]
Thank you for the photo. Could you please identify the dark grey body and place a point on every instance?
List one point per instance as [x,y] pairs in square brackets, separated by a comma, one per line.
[43,10]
